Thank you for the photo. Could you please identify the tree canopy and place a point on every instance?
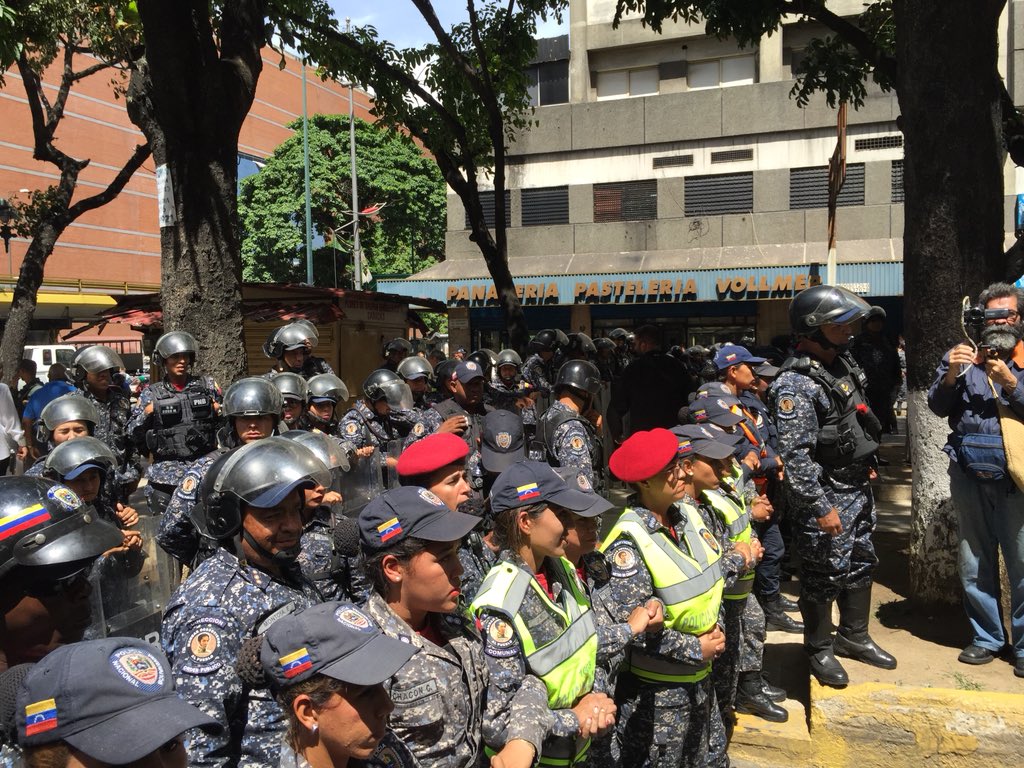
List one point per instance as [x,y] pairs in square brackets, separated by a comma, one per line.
[405,236]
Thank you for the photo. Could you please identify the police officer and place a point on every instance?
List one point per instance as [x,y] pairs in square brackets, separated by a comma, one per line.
[535,615]
[569,428]
[827,440]
[623,355]
[176,418]
[93,370]
[381,418]
[48,540]
[325,391]
[539,369]
[660,548]
[580,347]
[511,391]
[605,360]
[252,407]
[417,373]
[394,352]
[290,346]
[251,504]
[63,419]
[294,393]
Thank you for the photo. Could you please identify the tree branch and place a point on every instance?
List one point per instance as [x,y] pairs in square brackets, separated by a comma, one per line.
[54,115]
[848,31]
[88,71]
[114,187]
[426,9]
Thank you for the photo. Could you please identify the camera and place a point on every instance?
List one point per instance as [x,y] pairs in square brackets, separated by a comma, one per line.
[975,317]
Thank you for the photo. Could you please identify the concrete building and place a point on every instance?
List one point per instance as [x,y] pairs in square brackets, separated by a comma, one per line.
[679,184]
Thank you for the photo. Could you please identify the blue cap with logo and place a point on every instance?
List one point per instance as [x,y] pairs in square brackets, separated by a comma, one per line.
[532,482]
[733,354]
[410,511]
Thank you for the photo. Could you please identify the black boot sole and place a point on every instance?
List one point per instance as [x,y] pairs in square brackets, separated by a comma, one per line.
[771,717]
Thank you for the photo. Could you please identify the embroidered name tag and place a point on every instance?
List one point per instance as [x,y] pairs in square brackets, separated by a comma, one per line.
[417,692]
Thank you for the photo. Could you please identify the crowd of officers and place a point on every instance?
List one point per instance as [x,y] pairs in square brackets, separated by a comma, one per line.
[423,579]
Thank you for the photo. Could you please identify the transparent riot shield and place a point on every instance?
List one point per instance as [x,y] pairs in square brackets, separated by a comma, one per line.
[362,483]
[130,589]
[394,450]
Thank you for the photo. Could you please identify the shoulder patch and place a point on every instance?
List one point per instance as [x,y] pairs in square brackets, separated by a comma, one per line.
[387,757]
[64,497]
[786,405]
[351,428]
[710,540]
[499,638]
[419,428]
[576,443]
[188,485]
[201,650]
[623,560]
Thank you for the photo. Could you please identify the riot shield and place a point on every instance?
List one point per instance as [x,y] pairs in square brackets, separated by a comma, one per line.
[394,450]
[130,589]
[361,483]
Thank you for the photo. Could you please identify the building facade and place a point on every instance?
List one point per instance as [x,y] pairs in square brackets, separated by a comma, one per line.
[671,179]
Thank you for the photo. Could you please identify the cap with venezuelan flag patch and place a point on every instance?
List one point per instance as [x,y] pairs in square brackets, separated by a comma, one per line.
[410,511]
[531,482]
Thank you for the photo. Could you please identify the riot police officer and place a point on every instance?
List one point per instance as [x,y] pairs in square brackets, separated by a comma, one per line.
[827,440]
[63,419]
[93,370]
[325,392]
[371,423]
[290,346]
[580,347]
[540,367]
[294,392]
[176,418]
[252,407]
[394,352]
[251,504]
[417,373]
[569,429]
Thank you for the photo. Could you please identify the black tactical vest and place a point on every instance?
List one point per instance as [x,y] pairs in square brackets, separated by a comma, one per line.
[549,423]
[184,423]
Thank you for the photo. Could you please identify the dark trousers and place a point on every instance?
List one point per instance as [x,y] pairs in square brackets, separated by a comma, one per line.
[766,577]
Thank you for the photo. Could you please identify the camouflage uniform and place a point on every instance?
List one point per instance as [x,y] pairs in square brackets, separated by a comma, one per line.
[431,420]
[112,429]
[390,753]
[660,725]
[508,673]
[336,576]
[227,601]
[537,373]
[440,695]
[613,636]
[168,473]
[753,637]
[830,564]
[573,443]
[176,533]
[505,396]
[476,559]
[361,427]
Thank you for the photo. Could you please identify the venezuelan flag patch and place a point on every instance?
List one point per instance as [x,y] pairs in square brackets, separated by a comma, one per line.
[295,663]
[23,519]
[389,529]
[528,491]
[40,717]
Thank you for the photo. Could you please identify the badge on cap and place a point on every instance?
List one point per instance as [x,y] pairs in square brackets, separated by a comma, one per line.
[353,618]
[389,529]
[730,357]
[431,497]
[503,440]
[723,405]
[295,664]
[709,539]
[527,492]
[65,497]
[583,482]
[138,668]
[40,717]
[685,448]
[470,366]
[699,414]
[22,519]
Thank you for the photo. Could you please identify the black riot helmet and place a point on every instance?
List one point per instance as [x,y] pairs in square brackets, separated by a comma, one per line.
[580,375]
[383,384]
[549,340]
[327,386]
[252,396]
[604,346]
[94,359]
[823,304]
[73,457]
[70,407]
[581,346]
[261,474]
[327,449]
[415,367]
[287,337]
[618,334]
[397,345]
[291,386]
[175,343]
[509,357]
[48,532]
[486,359]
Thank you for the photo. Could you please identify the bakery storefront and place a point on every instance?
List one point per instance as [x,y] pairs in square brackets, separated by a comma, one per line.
[690,306]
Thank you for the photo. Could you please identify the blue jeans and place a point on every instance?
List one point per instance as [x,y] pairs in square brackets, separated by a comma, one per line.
[990,518]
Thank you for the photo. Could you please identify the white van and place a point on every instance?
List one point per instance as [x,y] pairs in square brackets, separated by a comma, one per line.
[46,355]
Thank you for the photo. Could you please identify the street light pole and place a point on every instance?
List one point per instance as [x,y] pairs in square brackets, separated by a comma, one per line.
[357,256]
[305,168]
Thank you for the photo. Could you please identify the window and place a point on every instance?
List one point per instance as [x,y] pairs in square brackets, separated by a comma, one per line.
[545,205]
[627,82]
[721,73]
[626,201]
[487,201]
[548,83]
[808,187]
[718,194]
[896,176]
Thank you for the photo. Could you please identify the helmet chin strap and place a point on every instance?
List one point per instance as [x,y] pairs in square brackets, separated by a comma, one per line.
[284,558]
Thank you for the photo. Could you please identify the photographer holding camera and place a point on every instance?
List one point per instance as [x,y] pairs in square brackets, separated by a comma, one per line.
[971,388]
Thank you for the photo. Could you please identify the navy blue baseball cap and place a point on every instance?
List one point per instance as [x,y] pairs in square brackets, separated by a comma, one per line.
[533,482]
[578,481]
[334,639]
[717,410]
[410,511]
[112,699]
[703,440]
[733,354]
[502,441]
[467,370]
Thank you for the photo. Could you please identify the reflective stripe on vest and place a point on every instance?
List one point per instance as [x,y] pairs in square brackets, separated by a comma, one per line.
[567,664]
[737,525]
[690,586]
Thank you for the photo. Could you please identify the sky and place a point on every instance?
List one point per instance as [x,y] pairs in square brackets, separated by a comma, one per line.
[399,22]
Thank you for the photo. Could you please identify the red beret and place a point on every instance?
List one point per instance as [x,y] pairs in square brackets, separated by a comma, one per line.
[431,453]
[643,455]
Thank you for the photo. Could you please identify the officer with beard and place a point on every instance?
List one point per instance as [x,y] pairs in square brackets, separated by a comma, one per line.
[971,387]
[828,437]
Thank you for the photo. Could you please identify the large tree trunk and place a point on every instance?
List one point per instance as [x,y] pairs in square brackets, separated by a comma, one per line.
[949,96]
[190,100]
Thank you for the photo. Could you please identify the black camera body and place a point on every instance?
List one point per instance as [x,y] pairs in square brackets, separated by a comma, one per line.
[975,317]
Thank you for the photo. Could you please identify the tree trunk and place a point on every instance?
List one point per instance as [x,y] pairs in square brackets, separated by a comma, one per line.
[190,99]
[953,233]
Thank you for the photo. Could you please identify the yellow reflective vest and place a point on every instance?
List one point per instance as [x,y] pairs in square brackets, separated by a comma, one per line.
[733,513]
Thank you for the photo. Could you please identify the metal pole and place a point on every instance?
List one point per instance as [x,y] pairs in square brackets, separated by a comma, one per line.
[305,169]
[357,256]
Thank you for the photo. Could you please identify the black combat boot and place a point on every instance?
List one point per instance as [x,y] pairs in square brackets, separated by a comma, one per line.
[773,692]
[751,699]
[787,605]
[775,617]
[818,644]
[852,640]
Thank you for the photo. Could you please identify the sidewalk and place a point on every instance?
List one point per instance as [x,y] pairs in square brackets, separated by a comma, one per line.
[931,709]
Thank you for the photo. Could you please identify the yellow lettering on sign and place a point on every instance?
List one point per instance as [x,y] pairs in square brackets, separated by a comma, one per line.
[552,291]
